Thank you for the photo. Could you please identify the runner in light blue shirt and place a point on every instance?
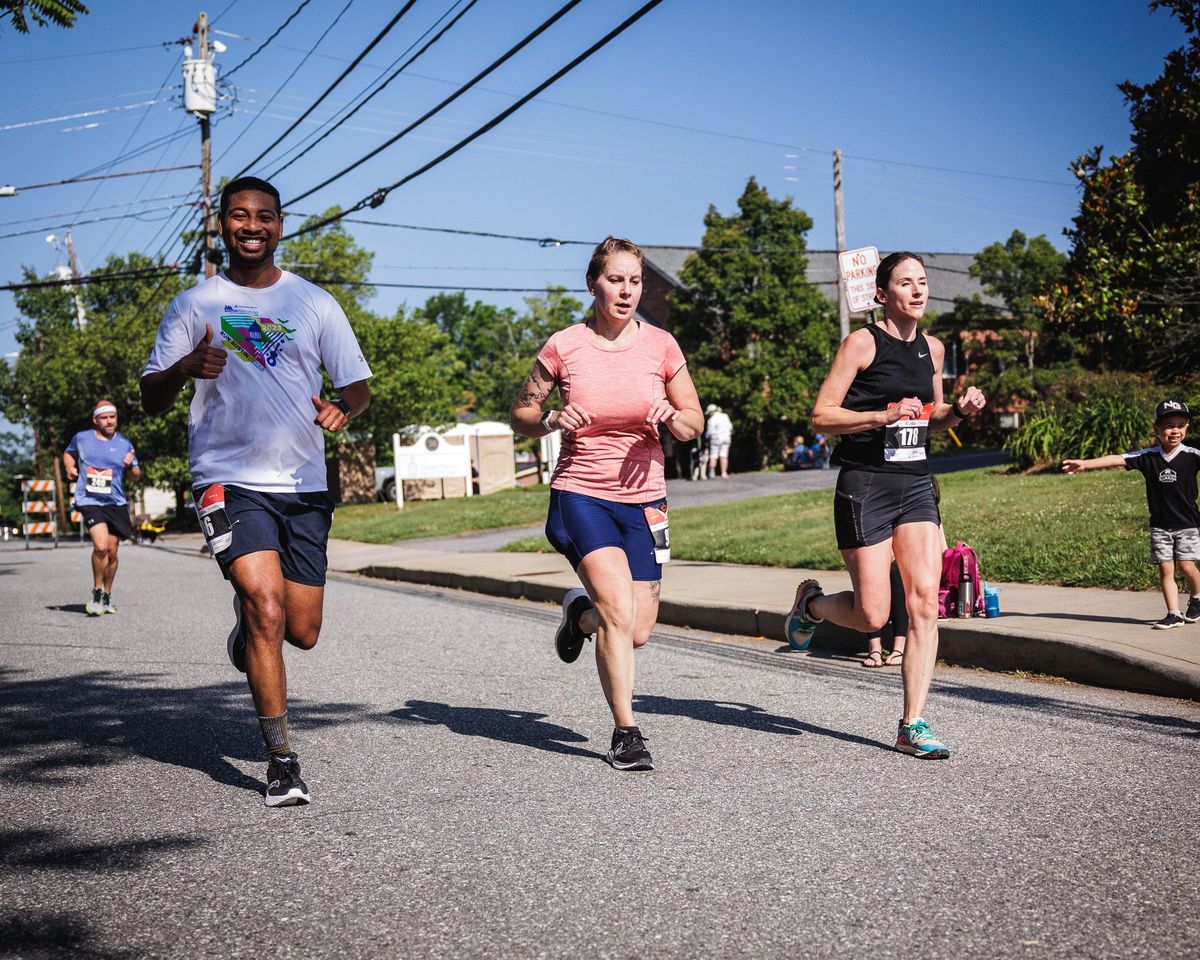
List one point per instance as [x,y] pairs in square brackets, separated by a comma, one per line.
[97,460]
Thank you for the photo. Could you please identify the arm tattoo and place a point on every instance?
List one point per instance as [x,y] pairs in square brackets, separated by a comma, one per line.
[534,391]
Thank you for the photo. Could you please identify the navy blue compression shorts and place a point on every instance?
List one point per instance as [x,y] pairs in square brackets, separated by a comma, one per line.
[578,525]
[294,525]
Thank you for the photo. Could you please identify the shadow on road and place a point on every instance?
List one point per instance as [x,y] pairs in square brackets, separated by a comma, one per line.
[22,849]
[520,727]
[747,716]
[1084,617]
[52,935]
[55,729]
[67,607]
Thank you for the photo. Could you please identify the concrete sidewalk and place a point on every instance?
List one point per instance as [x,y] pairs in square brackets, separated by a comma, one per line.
[1099,637]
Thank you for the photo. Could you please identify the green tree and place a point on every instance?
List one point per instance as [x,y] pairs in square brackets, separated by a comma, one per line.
[61,13]
[61,370]
[16,459]
[1017,361]
[758,336]
[496,347]
[1131,285]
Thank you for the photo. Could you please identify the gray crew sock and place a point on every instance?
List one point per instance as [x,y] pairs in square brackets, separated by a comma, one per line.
[274,733]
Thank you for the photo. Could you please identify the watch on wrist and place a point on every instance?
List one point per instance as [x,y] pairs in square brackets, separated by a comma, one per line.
[546,420]
[957,412]
[342,405]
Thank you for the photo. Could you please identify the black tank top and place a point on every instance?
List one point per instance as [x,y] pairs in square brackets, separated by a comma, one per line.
[900,369]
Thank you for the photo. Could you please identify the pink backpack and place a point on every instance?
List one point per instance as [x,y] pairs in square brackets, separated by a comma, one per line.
[959,563]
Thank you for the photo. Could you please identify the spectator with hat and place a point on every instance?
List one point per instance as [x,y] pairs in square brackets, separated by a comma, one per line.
[1170,468]
[719,434]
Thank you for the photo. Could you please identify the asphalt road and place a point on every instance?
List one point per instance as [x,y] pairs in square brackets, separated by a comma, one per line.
[461,808]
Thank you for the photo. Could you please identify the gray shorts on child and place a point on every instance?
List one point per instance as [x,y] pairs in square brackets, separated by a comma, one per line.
[1168,545]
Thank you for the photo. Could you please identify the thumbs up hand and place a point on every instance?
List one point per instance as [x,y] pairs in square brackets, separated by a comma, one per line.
[205,362]
[330,416]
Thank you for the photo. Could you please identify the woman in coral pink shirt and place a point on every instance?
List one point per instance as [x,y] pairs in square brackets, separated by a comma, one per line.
[618,379]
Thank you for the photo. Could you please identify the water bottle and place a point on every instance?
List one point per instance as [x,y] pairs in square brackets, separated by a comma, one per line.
[966,597]
[214,521]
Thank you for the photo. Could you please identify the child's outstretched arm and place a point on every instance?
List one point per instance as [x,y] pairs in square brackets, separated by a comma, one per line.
[1096,463]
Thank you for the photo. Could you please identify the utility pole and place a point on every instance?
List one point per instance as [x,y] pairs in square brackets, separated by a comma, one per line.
[80,316]
[843,306]
[200,98]
[210,267]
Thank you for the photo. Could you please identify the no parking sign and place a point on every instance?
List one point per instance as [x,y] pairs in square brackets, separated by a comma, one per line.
[857,268]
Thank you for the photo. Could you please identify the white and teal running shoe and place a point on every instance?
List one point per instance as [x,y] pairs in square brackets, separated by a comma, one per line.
[799,626]
[916,739]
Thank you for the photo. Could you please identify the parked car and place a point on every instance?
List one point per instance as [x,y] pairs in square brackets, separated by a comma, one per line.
[385,484]
[9,528]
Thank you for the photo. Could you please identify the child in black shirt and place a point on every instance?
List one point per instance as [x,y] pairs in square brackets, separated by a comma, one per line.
[1170,469]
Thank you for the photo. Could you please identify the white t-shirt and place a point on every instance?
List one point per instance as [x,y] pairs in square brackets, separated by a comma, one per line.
[253,425]
[720,428]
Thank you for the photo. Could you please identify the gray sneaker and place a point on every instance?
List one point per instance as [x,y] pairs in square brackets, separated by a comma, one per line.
[1170,621]
[1192,613]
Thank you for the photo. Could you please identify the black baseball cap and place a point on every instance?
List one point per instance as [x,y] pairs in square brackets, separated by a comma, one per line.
[1172,408]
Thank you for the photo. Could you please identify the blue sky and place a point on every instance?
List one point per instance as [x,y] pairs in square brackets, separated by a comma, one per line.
[957,121]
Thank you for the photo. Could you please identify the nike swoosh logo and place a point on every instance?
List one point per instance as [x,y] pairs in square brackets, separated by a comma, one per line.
[922,354]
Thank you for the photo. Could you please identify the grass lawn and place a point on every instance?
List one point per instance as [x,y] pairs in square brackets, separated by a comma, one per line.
[383,523]
[1083,531]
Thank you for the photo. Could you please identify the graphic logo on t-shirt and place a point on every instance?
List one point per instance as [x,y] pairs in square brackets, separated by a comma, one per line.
[1168,476]
[254,339]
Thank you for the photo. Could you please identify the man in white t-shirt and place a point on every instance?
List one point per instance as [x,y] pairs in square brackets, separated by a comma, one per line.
[719,434]
[255,338]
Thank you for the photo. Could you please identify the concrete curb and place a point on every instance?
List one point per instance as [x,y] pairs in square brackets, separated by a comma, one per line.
[968,643]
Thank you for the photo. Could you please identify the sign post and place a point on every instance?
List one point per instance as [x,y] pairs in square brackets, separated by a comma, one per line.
[856,271]
[431,457]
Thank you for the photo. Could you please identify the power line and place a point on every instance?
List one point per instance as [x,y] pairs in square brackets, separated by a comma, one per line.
[81,116]
[90,53]
[108,176]
[366,99]
[140,274]
[328,90]
[79,223]
[262,46]
[435,286]
[111,206]
[380,196]
[495,64]
[296,70]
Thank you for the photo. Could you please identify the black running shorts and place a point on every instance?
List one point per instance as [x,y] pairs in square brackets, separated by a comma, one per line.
[294,525]
[114,516]
[869,505]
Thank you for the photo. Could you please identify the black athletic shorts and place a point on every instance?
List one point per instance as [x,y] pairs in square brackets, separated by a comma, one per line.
[869,505]
[294,525]
[116,517]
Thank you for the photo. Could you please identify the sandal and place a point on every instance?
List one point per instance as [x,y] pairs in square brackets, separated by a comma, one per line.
[894,659]
[874,659]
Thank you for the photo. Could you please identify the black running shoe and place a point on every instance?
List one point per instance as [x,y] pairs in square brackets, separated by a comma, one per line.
[236,644]
[1169,622]
[284,786]
[568,640]
[629,750]
[1192,613]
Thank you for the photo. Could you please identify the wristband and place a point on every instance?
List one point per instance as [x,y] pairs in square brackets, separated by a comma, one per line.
[958,413]
[545,421]
[342,405]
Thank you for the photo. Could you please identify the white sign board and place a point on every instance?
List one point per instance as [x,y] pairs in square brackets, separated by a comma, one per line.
[857,268]
[431,457]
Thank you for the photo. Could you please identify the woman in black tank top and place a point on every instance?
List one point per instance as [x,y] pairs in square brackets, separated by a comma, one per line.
[882,396]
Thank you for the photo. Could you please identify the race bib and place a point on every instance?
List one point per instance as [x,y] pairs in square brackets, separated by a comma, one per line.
[656,520]
[98,481]
[904,440]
